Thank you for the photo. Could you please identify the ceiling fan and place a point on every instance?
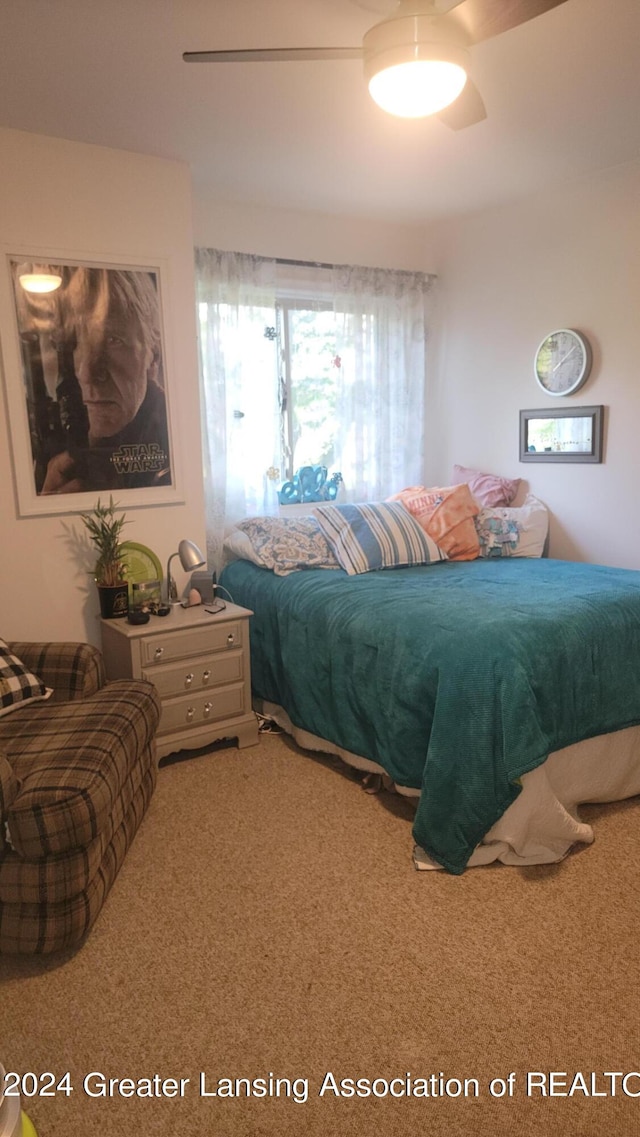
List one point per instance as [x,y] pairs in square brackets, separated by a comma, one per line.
[416,60]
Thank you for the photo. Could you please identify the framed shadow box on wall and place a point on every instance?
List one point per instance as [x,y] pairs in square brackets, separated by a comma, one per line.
[567,434]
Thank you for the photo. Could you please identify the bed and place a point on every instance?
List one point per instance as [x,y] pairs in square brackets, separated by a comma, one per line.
[500,692]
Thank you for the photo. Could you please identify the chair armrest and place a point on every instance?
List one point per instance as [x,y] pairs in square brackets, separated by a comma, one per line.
[72,670]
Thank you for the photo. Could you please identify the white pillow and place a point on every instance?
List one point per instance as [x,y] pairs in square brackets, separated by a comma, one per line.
[237,545]
[513,531]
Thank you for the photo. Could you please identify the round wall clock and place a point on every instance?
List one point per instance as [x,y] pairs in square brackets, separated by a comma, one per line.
[563,362]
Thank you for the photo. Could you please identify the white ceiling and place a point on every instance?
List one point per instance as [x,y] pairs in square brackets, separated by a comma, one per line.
[562,94]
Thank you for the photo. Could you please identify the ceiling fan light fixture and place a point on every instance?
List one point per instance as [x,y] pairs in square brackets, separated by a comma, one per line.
[416,61]
[40,281]
[417,88]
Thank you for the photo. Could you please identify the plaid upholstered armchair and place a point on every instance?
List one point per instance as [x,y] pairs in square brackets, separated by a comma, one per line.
[77,771]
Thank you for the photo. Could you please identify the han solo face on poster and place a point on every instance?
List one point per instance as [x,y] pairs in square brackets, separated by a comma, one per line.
[94,380]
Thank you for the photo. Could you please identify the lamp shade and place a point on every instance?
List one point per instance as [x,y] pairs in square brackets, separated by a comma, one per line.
[190,555]
[414,65]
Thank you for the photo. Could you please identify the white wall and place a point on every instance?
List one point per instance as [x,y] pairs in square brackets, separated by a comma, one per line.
[568,258]
[87,200]
[309,236]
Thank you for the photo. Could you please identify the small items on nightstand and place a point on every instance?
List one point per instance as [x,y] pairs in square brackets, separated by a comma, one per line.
[137,616]
[203,581]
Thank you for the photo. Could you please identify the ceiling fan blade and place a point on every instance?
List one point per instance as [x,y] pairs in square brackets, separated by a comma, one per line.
[467,109]
[483,19]
[272,55]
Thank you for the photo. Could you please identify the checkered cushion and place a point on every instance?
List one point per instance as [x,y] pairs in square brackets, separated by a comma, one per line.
[73,760]
[18,685]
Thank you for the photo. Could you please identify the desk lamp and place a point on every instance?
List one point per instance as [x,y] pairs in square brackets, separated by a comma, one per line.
[190,558]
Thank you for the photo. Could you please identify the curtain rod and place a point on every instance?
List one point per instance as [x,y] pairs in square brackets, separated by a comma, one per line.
[303,264]
[323,264]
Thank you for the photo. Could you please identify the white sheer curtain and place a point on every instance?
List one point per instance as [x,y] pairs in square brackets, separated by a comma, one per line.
[236,298]
[382,336]
[381,320]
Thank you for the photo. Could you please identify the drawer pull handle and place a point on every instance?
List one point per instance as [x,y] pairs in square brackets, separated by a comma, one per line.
[188,679]
[206,675]
[158,653]
[208,707]
[190,713]
[231,639]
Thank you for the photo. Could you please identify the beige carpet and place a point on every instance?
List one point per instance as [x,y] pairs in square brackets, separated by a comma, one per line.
[268,922]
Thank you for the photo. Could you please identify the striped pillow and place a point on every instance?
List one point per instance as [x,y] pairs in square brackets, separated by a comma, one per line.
[17,684]
[369,537]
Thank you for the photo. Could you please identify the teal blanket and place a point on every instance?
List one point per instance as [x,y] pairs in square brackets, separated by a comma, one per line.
[457,678]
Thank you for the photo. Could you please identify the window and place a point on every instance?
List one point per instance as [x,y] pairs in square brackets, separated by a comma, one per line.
[308,365]
[309,368]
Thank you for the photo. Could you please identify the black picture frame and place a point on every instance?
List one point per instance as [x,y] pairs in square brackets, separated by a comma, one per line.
[588,449]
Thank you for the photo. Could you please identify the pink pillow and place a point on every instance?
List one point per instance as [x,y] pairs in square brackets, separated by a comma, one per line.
[488,489]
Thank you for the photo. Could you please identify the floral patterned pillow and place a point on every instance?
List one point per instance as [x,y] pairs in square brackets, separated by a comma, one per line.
[283,544]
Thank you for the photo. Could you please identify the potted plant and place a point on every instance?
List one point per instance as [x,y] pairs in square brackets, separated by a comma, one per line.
[104,526]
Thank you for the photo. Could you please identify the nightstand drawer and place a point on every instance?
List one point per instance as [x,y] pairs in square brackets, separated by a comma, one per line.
[196,674]
[202,708]
[192,641]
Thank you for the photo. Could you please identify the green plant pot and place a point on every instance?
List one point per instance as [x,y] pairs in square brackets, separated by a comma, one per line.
[114,601]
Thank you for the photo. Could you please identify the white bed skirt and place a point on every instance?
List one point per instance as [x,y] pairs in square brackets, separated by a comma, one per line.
[542,824]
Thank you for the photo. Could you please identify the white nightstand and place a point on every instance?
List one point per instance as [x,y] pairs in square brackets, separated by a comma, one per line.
[200,665]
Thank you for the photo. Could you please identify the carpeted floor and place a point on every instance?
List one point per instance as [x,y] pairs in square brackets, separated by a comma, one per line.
[268,924]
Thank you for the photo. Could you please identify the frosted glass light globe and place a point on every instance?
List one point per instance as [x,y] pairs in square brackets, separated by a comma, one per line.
[419,88]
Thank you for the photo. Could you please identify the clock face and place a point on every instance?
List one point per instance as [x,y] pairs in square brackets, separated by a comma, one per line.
[563,362]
